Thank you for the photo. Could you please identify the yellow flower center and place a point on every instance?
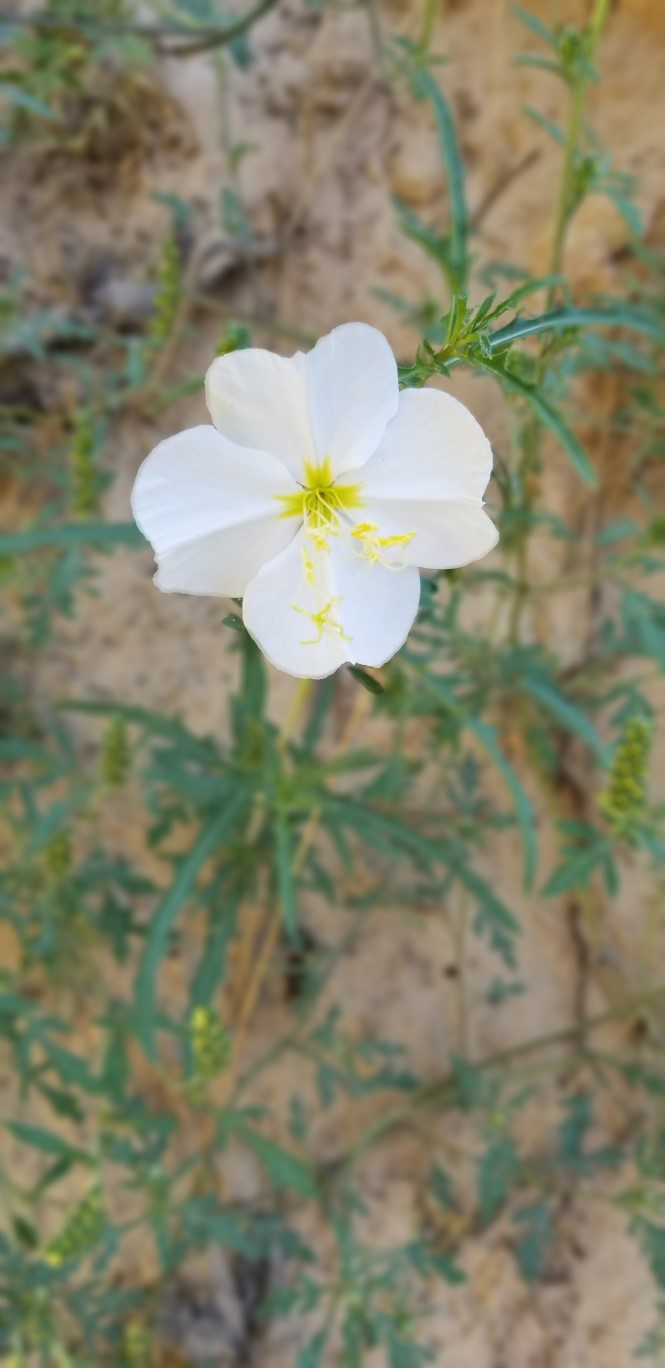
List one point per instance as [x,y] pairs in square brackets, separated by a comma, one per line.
[320,501]
[317,504]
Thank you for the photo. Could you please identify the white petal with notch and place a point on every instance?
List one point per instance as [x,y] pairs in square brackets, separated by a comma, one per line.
[210,512]
[352,612]
[428,477]
[353,394]
[258,399]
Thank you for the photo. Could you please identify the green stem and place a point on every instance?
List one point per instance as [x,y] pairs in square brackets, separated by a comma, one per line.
[596,24]
[297,706]
[429,18]
[573,138]
[565,211]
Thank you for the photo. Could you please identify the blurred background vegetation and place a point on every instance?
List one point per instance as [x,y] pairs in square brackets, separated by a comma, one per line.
[332,1029]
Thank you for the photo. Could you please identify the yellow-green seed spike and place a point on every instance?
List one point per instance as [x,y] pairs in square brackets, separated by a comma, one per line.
[58,855]
[169,293]
[211,1047]
[624,800]
[81,1233]
[116,757]
[84,473]
[136,1345]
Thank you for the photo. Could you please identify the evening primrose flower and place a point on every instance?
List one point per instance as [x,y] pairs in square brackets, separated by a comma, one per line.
[315,496]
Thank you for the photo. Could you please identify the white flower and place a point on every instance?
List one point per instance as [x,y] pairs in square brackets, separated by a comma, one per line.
[315,496]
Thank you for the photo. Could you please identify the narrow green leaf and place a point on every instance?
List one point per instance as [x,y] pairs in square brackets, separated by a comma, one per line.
[254,678]
[47,1142]
[493,916]
[324,694]
[312,1354]
[368,681]
[548,126]
[497,1172]
[284,872]
[212,964]
[385,833]
[529,287]
[445,1268]
[459,214]
[568,714]
[71,534]
[284,1168]
[442,1189]
[189,868]
[523,808]
[536,25]
[487,737]
[534,1246]
[25,1233]
[72,1068]
[24,100]
[576,871]
[531,59]
[621,316]
[653,1242]
[574,1129]
[551,418]
[153,723]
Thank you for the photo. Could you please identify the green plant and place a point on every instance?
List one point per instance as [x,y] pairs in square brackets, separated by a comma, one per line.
[132,1089]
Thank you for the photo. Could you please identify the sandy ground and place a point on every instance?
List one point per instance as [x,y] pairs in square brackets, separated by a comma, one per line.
[329,147]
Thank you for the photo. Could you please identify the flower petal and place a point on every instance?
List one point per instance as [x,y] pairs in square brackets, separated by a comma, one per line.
[353,394]
[433,449]
[428,478]
[445,533]
[378,605]
[258,399]
[210,511]
[345,610]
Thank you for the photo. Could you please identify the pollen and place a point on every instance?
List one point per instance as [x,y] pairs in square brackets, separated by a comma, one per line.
[374,546]
[308,566]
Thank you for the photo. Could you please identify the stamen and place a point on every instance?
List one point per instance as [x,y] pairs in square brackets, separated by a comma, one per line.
[373,545]
[319,501]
